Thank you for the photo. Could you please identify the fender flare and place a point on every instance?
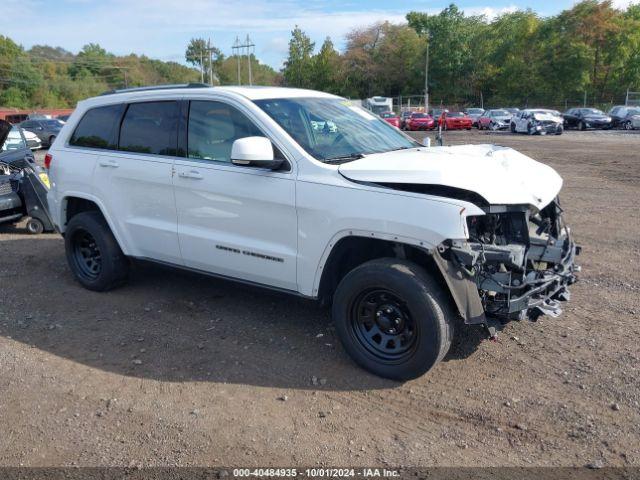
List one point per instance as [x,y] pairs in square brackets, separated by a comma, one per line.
[87,196]
[363,234]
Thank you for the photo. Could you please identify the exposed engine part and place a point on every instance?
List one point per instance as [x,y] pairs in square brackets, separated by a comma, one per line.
[521,261]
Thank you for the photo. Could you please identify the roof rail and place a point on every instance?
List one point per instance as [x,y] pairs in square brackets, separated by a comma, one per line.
[156,87]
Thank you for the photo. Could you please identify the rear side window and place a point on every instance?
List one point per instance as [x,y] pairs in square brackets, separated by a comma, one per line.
[150,127]
[98,128]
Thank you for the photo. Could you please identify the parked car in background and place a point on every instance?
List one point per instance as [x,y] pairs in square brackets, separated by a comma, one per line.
[537,121]
[391,118]
[512,110]
[437,112]
[403,118]
[474,114]
[623,117]
[46,129]
[496,119]
[583,118]
[457,121]
[63,118]
[33,142]
[420,121]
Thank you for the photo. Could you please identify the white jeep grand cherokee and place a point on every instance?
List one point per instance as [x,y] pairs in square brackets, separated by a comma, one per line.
[302,191]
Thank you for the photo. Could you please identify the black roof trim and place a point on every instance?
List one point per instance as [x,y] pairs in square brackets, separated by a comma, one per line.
[157,87]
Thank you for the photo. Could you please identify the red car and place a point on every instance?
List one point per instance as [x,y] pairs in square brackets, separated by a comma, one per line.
[457,121]
[391,118]
[420,121]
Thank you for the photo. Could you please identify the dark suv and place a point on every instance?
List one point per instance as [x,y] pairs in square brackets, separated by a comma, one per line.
[583,118]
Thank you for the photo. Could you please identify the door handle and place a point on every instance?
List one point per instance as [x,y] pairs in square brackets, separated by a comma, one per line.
[193,174]
[108,163]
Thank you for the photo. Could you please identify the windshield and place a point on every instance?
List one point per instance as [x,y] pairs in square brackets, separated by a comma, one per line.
[51,123]
[332,128]
[388,115]
[500,113]
[544,115]
[419,115]
[455,114]
[474,111]
[592,111]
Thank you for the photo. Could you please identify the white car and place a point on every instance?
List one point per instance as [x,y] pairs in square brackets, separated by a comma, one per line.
[33,142]
[405,242]
[537,121]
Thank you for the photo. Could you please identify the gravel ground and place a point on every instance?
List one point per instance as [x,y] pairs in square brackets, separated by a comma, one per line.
[178,369]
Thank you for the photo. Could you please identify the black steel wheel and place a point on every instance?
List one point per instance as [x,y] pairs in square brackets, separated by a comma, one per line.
[392,318]
[86,254]
[382,323]
[93,254]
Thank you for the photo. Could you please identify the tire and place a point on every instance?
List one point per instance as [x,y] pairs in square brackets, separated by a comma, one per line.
[35,226]
[93,254]
[581,126]
[559,130]
[512,127]
[381,294]
[52,139]
[628,125]
[530,130]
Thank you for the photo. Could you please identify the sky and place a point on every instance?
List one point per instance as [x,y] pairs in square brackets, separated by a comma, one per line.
[162,29]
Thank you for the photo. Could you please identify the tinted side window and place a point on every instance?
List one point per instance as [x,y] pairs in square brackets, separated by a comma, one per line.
[98,128]
[213,127]
[150,127]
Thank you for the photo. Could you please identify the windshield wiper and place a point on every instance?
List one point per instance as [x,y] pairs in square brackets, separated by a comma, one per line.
[344,158]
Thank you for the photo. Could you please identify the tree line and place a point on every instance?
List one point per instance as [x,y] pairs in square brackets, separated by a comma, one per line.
[591,51]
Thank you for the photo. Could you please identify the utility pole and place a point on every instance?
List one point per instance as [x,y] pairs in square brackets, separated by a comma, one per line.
[249,46]
[201,68]
[426,75]
[236,49]
[210,67]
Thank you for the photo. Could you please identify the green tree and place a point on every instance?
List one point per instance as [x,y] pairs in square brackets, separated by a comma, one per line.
[326,68]
[298,68]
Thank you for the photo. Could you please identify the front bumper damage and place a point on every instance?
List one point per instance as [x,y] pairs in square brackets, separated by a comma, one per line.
[516,264]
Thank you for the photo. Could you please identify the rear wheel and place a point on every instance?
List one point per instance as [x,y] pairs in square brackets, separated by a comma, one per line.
[93,254]
[581,126]
[393,319]
[628,125]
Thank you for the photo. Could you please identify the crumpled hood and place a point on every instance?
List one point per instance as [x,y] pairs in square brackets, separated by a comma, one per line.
[501,175]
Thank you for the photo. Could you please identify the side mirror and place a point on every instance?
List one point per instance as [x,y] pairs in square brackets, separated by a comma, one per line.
[254,152]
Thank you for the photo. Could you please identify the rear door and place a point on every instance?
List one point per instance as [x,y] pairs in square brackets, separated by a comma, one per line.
[135,184]
[236,221]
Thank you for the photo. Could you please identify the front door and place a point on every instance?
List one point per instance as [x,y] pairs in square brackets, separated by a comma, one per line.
[236,221]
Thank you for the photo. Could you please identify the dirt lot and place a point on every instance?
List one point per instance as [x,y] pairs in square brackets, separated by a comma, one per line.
[178,369]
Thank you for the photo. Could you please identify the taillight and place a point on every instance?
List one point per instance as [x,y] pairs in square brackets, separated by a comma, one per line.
[47,160]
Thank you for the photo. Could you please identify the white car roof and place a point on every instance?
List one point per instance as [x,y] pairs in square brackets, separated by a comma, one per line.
[251,93]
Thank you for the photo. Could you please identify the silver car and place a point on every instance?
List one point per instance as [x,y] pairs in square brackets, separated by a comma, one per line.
[46,129]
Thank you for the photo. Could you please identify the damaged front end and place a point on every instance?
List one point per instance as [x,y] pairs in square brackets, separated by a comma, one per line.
[517,263]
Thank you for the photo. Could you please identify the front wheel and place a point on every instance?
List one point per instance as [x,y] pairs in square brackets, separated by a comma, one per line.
[628,125]
[393,319]
[93,254]
[512,127]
